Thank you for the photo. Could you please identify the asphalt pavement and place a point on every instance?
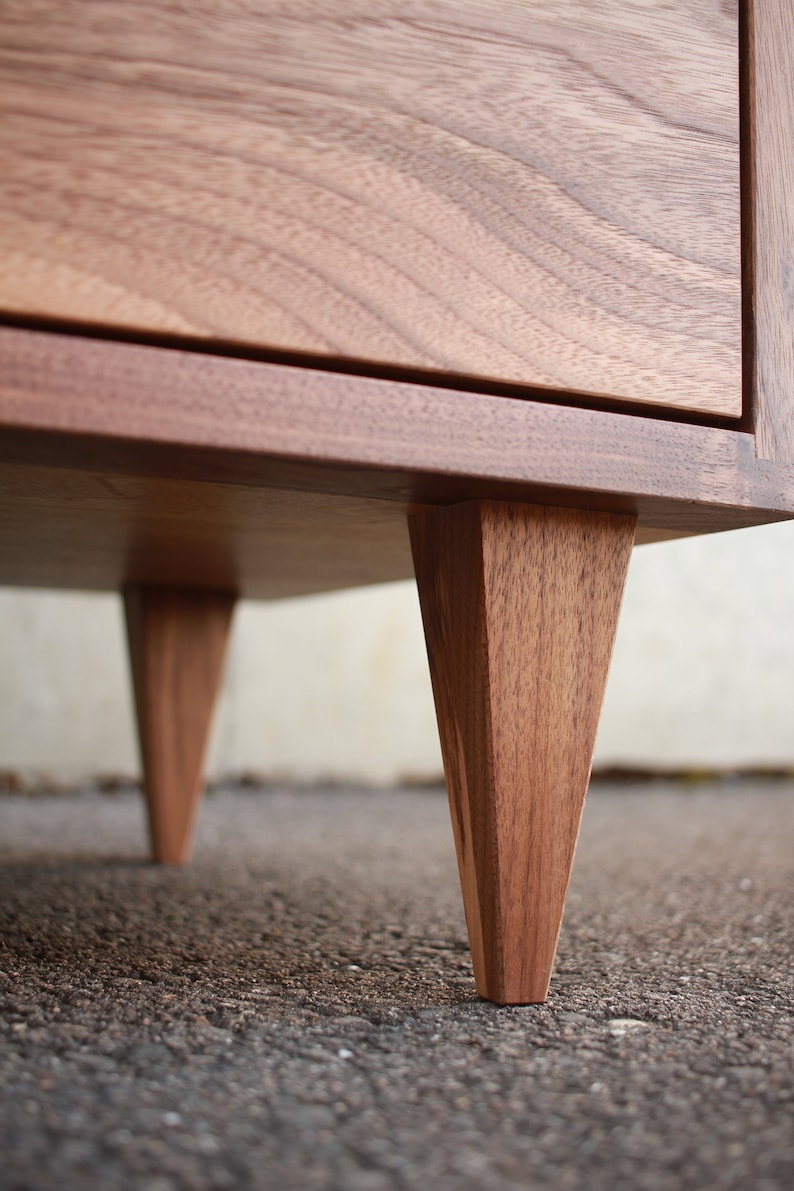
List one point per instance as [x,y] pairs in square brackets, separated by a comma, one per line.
[295,1009]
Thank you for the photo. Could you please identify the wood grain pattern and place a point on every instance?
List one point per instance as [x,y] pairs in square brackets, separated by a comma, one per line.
[177,644]
[68,403]
[520,606]
[770,116]
[546,193]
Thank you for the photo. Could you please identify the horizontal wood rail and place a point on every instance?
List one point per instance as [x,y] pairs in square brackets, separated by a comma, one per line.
[129,464]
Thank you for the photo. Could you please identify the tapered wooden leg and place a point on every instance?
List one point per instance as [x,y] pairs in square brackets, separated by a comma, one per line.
[177,641]
[520,605]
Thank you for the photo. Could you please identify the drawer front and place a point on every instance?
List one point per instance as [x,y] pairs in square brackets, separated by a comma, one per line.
[542,193]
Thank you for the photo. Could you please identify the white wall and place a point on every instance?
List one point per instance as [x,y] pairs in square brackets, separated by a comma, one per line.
[703,675]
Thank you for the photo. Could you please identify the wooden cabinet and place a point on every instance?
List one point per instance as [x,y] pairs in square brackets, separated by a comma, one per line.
[279,280]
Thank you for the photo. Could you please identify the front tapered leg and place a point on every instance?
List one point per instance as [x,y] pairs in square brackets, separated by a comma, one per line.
[520,605]
[177,642]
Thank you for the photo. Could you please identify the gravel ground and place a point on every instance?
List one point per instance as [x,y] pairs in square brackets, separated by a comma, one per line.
[296,1009]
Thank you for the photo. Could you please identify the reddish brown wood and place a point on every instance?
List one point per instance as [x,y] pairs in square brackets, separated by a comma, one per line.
[544,192]
[71,527]
[520,606]
[177,642]
[769,195]
[125,409]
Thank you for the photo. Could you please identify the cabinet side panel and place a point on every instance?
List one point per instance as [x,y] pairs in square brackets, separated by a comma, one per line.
[544,193]
[770,114]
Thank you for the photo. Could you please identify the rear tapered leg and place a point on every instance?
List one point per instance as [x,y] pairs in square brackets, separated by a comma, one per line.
[177,642]
[520,605]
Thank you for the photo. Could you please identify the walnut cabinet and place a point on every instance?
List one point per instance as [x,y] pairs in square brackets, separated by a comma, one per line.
[303,296]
